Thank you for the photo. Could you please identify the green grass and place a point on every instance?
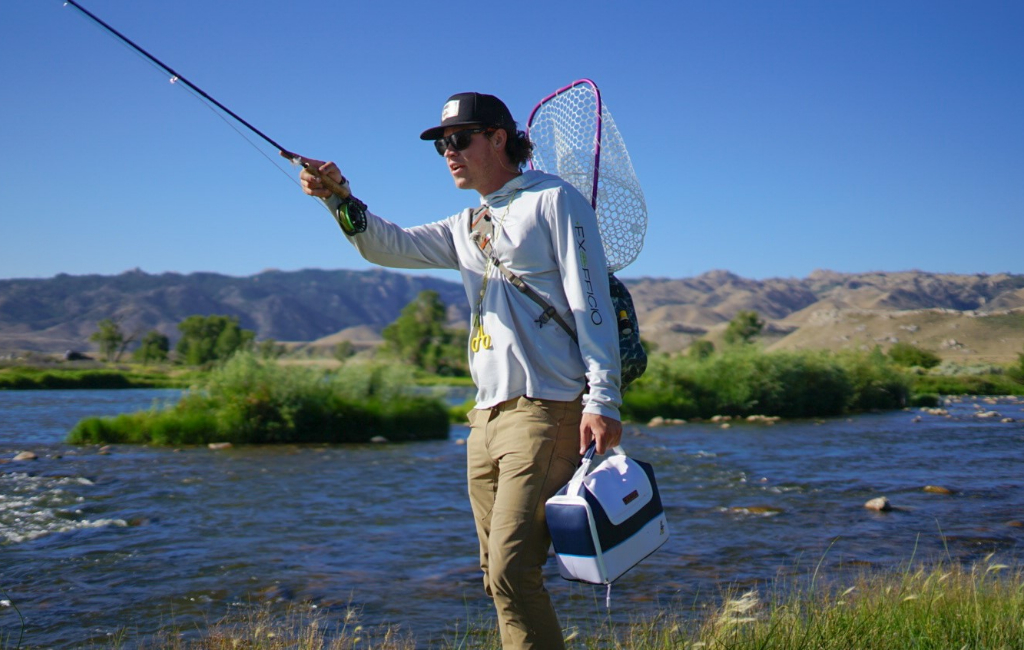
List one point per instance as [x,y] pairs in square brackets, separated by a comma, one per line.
[253,401]
[937,608]
[34,378]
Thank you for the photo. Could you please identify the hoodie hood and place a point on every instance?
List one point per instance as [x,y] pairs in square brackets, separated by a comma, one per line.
[521,182]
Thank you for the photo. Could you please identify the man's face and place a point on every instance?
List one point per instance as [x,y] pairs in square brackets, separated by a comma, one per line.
[478,166]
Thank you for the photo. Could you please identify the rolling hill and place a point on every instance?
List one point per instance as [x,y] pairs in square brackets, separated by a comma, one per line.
[967,317]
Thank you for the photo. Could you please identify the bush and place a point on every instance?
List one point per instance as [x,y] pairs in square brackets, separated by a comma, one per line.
[968,385]
[743,380]
[908,356]
[250,401]
[53,379]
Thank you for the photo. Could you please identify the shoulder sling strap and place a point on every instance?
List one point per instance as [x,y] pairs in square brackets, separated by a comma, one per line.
[482,232]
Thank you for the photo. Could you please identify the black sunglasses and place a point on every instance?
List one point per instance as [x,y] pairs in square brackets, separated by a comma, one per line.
[458,140]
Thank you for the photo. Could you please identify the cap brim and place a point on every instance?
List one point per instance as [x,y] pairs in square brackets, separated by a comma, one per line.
[438,131]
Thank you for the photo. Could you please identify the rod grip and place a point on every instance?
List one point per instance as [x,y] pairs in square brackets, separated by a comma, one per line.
[341,190]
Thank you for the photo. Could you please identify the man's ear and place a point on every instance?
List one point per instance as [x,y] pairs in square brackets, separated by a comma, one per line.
[499,138]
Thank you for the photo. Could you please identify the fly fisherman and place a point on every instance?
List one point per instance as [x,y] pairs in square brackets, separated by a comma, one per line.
[541,398]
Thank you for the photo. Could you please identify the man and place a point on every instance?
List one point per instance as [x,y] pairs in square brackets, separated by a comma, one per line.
[541,397]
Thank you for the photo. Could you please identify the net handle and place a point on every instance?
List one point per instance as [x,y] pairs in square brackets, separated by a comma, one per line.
[597,143]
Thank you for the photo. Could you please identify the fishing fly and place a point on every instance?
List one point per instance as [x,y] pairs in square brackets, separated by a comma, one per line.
[341,190]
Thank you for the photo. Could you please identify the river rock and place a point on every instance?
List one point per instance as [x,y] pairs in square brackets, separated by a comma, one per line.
[937,489]
[988,414]
[1007,420]
[25,455]
[880,504]
[378,440]
[756,510]
[658,421]
[460,441]
[220,445]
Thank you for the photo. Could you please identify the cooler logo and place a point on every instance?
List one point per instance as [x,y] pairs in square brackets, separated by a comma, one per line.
[632,496]
[451,109]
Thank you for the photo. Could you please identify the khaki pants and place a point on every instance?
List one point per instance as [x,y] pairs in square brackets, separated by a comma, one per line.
[519,454]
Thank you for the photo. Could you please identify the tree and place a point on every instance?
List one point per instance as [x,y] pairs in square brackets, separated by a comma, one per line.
[211,338]
[343,350]
[743,327]
[109,338]
[1016,372]
[701,349]
[270,349]
[153,347]
[419,337]
[907,355]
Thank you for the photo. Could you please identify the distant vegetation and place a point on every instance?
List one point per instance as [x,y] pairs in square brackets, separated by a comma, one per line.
[909,356]
[28,378]
[253,401]
[419,337]
[743,380]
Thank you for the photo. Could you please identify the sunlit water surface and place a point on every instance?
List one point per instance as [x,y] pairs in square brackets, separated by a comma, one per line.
[94,540]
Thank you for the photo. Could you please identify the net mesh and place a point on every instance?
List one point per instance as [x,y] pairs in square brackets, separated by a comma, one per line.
[563,129]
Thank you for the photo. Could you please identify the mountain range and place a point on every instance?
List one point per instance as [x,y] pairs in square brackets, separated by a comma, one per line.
[968,317]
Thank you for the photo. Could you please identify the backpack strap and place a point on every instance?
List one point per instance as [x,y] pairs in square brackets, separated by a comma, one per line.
[482,233]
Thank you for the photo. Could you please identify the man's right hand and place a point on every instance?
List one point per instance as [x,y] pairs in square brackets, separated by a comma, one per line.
[310,181]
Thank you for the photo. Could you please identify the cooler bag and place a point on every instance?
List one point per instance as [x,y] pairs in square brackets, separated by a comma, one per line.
[603,523]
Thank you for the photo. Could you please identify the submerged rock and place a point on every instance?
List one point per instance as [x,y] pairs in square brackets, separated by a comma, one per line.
[937,489]
[881,504]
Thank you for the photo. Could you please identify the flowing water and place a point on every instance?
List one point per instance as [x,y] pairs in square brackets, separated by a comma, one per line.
[96,540]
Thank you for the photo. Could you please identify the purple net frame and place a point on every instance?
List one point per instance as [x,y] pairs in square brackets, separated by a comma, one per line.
[597,143]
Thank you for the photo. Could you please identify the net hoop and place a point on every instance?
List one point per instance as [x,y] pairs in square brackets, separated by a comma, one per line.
[575,137]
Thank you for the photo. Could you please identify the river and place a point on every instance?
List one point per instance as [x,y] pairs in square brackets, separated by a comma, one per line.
[96,540]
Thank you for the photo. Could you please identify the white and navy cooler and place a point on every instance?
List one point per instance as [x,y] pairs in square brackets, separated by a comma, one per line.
[605,521]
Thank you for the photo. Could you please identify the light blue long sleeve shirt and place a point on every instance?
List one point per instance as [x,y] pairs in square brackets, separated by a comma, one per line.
[546,233]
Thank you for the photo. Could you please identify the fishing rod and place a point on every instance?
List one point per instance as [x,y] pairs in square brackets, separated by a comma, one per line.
[341,190]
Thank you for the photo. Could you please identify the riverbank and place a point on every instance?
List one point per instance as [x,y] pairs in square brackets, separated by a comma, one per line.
[98,377]
[927,608]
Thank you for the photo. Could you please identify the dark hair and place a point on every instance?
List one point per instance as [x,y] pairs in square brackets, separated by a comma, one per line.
[517,146]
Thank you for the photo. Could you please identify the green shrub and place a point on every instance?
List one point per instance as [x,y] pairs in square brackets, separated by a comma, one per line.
[61,378]
[907,355]
[743,380]
[968,385]
[253,401]
[876,382]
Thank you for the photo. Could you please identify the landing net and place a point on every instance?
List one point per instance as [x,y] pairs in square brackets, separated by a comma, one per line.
[575,137]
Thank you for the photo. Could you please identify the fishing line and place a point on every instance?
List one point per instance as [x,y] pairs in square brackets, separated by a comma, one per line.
[212,104]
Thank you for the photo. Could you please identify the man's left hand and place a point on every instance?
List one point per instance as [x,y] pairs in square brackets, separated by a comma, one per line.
[606,432]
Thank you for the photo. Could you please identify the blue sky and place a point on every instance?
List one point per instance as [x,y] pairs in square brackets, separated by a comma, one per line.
[771,138]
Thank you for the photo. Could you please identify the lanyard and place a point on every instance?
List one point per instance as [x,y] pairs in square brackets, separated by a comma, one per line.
[480,339]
